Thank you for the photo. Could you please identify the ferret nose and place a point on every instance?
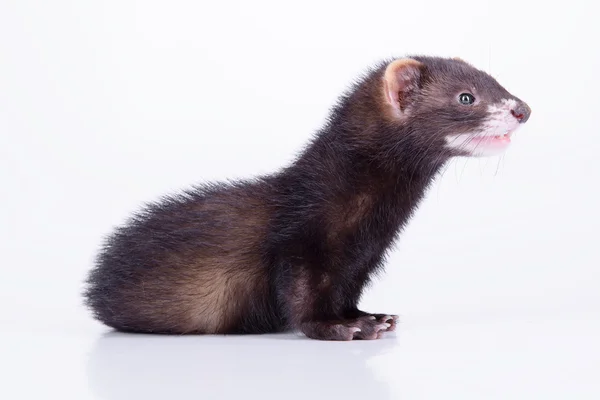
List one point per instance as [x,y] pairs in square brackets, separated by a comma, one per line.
[521,112]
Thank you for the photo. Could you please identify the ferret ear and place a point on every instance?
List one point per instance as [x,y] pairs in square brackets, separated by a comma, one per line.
[401,82]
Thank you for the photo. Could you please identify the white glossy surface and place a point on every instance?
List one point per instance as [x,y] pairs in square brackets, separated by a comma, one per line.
[104,105]
[476,357]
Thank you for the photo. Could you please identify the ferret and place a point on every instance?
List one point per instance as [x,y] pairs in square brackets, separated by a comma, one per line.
[294,250]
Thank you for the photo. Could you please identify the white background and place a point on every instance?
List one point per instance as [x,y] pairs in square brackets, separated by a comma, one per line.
[108,104]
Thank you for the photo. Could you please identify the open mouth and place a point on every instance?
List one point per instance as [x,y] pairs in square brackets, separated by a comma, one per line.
[495,140]
[481,144]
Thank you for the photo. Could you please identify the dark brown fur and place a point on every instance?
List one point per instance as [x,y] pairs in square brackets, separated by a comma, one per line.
[295,249]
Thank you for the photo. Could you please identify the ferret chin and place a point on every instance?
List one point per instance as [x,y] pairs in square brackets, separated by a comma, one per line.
[294,250]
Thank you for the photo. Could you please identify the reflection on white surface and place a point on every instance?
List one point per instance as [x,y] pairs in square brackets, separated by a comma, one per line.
[479,357]
[512,355]
[123,366]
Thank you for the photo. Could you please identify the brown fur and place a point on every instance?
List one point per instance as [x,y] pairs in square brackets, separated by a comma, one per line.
[346,214]
[300,298]
[295,249]
[220,285]
[216,297]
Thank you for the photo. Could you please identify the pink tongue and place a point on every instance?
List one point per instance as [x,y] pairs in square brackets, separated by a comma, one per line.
[502,139]
[494,139]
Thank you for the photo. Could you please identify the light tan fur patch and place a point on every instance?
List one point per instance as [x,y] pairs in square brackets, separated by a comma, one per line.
[219,293]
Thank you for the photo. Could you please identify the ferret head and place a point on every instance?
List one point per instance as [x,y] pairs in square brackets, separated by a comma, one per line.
[449,105]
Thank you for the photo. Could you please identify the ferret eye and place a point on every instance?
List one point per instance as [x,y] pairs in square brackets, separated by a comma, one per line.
[466,98]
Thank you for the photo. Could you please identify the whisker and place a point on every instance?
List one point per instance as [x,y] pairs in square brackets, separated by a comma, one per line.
[498,165]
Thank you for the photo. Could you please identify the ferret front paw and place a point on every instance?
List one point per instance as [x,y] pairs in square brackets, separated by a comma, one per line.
[368,327]
[387,318]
